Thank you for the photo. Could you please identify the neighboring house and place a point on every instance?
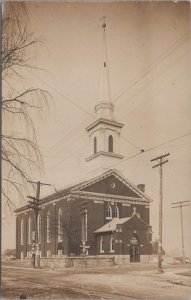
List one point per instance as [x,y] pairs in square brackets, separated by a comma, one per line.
[107,213]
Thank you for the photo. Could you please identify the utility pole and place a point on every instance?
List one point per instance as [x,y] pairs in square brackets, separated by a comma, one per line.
[161,161]
[181,205]
[34,204]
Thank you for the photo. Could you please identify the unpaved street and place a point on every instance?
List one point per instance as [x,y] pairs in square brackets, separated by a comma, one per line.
[135,281]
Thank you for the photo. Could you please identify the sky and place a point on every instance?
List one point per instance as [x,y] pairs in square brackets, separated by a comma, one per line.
[149,64]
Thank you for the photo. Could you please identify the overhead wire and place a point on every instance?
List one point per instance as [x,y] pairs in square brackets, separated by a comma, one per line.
[153,65]
[73,135]
[79,106]
[181,56]
[129,142]
[77,127]
[169,141]
[152,96]
[149,99]
[65,145]
[65,97]
[144,74]
[138,148]
[146,150]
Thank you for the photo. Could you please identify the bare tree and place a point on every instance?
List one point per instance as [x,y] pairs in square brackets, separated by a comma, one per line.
[66,227]
[20,151]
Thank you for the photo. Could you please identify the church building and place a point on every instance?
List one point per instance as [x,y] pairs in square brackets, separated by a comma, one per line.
[103,215]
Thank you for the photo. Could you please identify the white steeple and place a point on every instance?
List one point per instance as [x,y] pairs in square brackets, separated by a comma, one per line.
[104,132]
[104,108]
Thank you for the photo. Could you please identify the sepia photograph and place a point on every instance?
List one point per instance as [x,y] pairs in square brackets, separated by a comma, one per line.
[96,150]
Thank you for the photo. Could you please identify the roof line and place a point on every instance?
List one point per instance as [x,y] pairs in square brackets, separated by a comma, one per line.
[85,183]
[121,178]
[112,230]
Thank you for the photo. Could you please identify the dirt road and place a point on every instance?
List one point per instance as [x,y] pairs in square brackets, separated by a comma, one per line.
[118,282]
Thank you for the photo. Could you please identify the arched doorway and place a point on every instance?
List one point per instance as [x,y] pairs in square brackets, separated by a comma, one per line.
[134,249]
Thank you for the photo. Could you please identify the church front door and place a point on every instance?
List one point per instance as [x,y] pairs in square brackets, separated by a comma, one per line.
[134,250]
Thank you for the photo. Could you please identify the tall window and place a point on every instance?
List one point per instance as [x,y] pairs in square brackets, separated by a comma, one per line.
[110,144]
[29,230]
[86,225]
[60,225]
[112,249]
[48,227]
[116,212]
[84,220]
[22,232]
[101,245]
[95,145]
[109,212]
[39,228]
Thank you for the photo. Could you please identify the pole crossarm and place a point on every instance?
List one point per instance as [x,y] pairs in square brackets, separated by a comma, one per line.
[180,206]
[180,202]
[160,157]
[41,183]
[33,198]
[160,164]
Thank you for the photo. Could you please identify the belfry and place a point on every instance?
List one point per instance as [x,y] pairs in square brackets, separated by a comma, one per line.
[104,132]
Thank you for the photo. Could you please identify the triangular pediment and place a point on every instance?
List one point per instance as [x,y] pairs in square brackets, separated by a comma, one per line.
[112,183]
[134,219]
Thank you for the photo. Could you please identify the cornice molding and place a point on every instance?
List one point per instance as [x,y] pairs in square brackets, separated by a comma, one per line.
[107,197]
[109,154]
[105,121]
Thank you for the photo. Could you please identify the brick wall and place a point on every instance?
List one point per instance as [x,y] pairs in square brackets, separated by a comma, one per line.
[96,218]
[105,187]
[137,227]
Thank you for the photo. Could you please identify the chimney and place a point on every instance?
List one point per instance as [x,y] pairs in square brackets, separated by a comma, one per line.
[141,187]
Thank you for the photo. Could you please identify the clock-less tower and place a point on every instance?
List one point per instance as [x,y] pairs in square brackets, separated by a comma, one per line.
[104,132]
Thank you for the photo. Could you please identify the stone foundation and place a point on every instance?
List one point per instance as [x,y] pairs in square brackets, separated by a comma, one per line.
[125,259]
[122,259]
[73,262]
[80,262]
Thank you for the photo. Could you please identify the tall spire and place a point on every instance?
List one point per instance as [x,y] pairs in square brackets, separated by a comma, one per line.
[104,107]
[104,132]
[105,91]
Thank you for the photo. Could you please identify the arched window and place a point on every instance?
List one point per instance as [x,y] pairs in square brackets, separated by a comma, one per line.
[134,240]
[60,225]
[29,230]
[101,245]
[110,144]
[112,247]
[109,212]
[116,212]
[22,232]
[95,145]
[48,227]
[39,228]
